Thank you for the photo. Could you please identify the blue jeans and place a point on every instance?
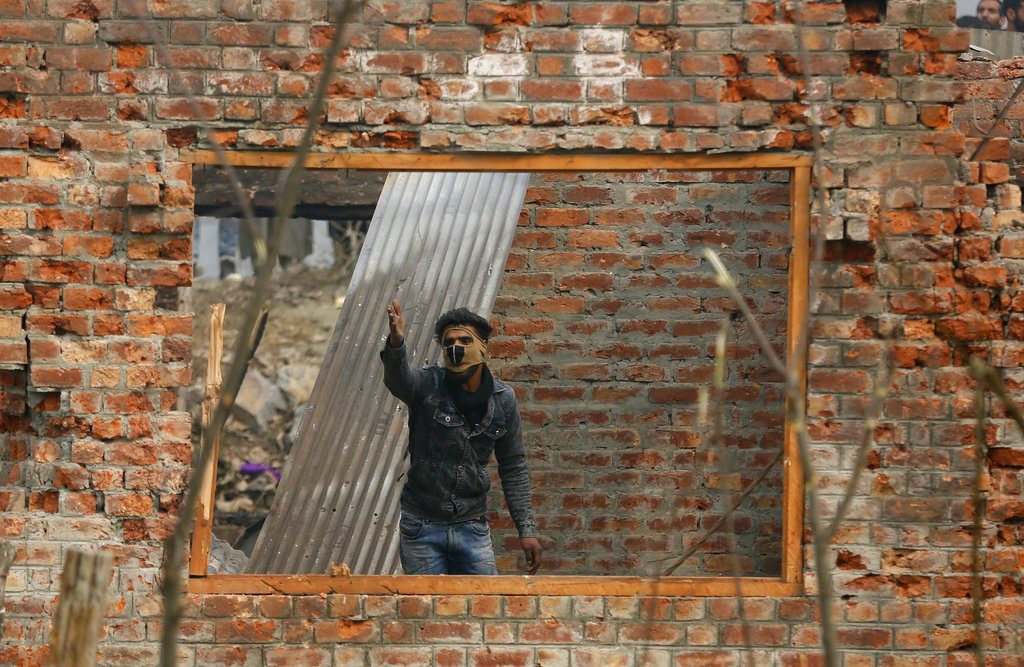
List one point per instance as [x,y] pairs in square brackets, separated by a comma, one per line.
[435,547]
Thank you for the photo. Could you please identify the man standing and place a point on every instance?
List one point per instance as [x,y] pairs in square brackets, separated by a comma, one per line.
[458,415]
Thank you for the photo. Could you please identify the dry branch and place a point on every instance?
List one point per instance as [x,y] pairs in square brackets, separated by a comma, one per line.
[7,554]
[796,414]
[726,282]
[978,508]
[999,119]
[989,376]
[725,463]
[175,549]
[747,490]
[243,199]
[796,401]
[83,596]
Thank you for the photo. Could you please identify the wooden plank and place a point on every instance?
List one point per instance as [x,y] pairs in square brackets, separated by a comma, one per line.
[793,478]
[488,585]
[202,531]
[83,595]
[504,162]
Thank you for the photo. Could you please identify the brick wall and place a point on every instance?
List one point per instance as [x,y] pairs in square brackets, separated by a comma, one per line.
[95,217]
[608,318]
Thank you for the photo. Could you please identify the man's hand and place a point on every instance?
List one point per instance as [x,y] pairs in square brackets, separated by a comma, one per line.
[396,321]
[533,550]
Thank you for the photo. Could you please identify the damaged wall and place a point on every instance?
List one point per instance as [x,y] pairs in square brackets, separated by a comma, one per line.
[97,209]
[608,319]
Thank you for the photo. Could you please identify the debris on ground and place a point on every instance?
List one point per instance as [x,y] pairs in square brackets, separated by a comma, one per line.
[303,308]
[225,559]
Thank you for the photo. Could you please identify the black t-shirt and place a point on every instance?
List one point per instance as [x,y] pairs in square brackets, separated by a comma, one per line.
[471,404]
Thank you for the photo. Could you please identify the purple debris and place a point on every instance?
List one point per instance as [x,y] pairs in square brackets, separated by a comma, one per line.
[250,468]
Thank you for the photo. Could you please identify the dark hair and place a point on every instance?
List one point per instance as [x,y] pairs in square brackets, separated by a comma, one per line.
[970,22]
[462,316]
[1009,4]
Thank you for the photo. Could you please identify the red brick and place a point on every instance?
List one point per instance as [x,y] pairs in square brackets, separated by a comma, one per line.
[593,238]
[53,377]
[586,281]
[246,631]
[128,504]
[345,631]
[969,327]
[603,13]
[282,656]
[551,89]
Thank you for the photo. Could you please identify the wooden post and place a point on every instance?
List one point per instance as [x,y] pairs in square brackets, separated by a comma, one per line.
[7,552]
[202,532]
[83,595]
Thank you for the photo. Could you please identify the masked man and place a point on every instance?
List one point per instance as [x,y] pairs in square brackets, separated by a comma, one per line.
[458,415]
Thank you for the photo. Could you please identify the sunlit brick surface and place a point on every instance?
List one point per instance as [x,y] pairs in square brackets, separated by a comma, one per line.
[923,249]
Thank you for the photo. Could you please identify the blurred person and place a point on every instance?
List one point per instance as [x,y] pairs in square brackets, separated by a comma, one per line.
[1012,13]
[990,13]
[972,22]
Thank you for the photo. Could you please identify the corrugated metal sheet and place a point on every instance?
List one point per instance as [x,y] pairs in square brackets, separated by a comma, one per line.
[437,241]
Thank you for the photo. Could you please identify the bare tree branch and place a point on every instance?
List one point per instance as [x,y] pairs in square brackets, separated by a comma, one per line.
[726,282]
[242,199]
[747,490]
[796,400]
[987,374]
[725,464]
[978,507]
[797,419]
[175,547]
[7,555]
[999,119]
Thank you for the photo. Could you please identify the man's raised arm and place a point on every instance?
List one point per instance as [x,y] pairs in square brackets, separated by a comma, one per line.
[406,383]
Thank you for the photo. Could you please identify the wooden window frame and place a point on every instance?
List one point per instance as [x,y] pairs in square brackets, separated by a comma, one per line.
[790,581]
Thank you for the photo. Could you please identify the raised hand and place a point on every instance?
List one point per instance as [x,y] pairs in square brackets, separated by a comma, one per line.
[396,322]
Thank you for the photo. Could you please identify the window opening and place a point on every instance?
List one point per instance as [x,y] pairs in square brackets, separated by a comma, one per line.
[606,321]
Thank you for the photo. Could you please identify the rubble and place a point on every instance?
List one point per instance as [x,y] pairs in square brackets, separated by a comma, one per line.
[296,382]
[258,402]
[303,306]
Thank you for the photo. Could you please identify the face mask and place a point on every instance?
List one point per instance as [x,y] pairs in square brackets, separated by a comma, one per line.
[459,358]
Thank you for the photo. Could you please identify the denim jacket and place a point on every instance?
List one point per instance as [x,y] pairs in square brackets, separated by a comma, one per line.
[448,479]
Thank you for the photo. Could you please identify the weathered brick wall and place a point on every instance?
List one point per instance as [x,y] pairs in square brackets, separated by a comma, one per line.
[988,86]
[95,221]
[608,317]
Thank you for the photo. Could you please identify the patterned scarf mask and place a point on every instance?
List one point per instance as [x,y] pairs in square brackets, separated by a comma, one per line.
[459,358]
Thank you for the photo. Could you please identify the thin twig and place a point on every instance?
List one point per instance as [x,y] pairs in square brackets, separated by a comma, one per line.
[725,464]
[747,490]
[878,396]
[999,118]
[175,547]
[989,375]
[242,199]
[978,506]
[796,400]
[726,282]
[796,415]
[7,554]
